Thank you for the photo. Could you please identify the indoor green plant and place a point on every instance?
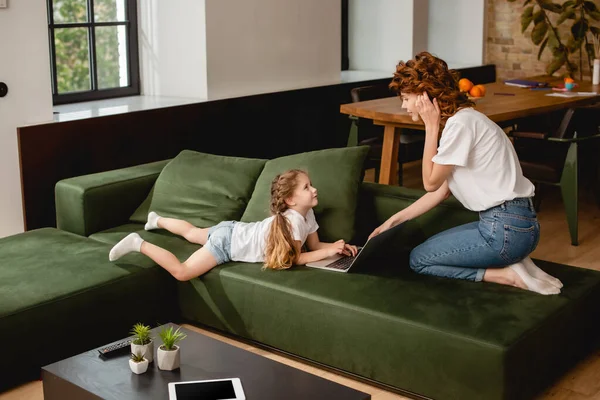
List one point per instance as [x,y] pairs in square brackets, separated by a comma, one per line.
[167,354]
[580,14]
[138,363]
[142,342]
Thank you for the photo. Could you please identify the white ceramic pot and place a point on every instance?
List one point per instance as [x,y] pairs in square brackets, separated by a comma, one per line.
[147,350]
[138,367]
[168,360]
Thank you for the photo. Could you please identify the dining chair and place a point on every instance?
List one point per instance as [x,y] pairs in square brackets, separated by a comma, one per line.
[364,133]
[548,150]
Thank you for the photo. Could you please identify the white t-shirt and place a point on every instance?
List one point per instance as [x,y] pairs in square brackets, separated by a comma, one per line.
[487,171]
[249,240]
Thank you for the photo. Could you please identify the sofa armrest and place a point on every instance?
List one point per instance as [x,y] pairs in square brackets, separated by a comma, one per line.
[377,203]
[91,203]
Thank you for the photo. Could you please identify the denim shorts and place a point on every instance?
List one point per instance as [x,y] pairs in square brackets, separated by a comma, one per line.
[504,235]
[219,241]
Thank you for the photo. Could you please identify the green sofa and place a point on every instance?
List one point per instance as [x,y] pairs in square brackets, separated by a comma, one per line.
[439,338]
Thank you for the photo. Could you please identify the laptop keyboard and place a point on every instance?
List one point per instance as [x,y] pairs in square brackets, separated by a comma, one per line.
[343,263]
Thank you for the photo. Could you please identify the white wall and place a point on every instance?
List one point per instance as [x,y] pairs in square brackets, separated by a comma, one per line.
[25,68]
[172,41]
[456,31]
[383,32]
[263,46]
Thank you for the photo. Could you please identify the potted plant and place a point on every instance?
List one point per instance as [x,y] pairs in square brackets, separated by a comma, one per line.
[138,363]
[142,343]
[566,45]
[168,354]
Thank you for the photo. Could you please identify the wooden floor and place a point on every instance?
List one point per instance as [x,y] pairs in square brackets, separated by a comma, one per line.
[581,383]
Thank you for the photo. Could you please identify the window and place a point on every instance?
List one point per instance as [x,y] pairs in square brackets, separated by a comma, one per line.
[93,49]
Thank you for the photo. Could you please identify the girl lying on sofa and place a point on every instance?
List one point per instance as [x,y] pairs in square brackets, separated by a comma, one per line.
[277,240]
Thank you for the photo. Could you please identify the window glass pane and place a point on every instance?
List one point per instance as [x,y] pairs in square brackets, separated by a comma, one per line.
[69,11]
[111,57]
[72,59]
[109,10]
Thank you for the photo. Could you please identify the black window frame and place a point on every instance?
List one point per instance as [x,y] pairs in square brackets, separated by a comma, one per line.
[345,58]
[133,62]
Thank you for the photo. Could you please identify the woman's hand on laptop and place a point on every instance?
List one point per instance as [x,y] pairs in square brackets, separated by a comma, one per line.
[390,223]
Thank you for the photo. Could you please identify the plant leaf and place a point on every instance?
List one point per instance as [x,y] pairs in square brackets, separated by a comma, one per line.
[568,4]
[526,18]
[552,7]
[595,15]
[526,2]
[539,32]
[538,16]
[569,13]
[595,30]
[542,47]
[579,29]
[589,6]
[589,47]
[574,44]
[555,65]
[552,40]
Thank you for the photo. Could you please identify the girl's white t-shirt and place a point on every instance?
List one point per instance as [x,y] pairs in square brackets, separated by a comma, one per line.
[487,171]
[249,240]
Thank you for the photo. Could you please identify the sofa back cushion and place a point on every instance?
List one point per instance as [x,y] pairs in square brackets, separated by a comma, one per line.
[336,173]
[203,189]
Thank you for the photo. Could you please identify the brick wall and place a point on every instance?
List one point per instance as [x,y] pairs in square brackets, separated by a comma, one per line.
[513,52]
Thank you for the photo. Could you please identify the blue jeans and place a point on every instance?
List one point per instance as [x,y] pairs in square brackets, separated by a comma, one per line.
[504,235]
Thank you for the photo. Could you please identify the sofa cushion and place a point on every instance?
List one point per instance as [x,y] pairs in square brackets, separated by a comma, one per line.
[203,189]
[442,338]
[336,173]
[59,295]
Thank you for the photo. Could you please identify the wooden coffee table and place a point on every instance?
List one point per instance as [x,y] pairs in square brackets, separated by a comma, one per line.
[88,376]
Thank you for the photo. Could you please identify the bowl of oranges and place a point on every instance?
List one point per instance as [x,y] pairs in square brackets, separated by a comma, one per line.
[473,91]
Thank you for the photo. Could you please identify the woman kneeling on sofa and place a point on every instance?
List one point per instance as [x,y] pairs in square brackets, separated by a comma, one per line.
[277,240]
[476,162]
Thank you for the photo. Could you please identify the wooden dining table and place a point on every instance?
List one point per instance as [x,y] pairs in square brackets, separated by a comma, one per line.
[502,104]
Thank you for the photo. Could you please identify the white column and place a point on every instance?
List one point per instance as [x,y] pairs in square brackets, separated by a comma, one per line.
[172,41]
[383,32]
[25,68]
[457,31]
[261,46]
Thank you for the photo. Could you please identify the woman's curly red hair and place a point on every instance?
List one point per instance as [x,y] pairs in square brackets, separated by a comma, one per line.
[427,73]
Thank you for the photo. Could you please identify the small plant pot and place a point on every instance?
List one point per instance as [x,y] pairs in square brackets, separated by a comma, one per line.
[168,360]
[138,367]
[147,350]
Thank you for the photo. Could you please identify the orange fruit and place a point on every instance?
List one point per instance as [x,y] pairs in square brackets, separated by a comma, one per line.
[477,91]
[569,80]
[464,85]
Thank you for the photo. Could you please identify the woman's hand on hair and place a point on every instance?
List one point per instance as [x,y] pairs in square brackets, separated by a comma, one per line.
[428,111]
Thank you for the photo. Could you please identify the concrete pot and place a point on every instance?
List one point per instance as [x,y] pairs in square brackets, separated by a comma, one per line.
[168,360]
[147,350]
[138,367]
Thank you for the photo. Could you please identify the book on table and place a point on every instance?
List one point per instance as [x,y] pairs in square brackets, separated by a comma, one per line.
[524,83]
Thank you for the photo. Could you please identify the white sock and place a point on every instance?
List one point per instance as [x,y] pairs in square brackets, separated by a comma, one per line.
[131,242]
[152,221]
[538,273]
[533,284]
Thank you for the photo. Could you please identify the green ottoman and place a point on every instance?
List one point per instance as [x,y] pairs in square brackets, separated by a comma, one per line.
[59,296]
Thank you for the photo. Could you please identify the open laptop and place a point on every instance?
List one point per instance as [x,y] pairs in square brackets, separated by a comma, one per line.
[342,263]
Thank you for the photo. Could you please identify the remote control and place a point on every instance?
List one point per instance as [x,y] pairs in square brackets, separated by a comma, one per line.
[116,349]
